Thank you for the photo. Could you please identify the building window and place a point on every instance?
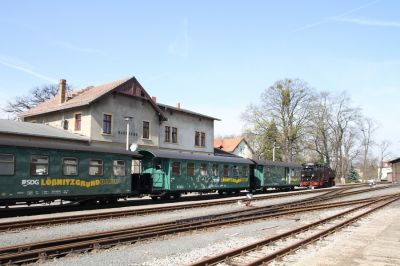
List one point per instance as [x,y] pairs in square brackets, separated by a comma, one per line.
[119,168]
[65,124]
[96,167]
[146,130]
[197,139]
[174,135]
[235,171]
[200,139]
[176,168]
[70,166]
[7,164]
[226,170]
[190,169]
[107,124]
[39,165]
[203,169]
[78,120]
[167,134]
[215,170]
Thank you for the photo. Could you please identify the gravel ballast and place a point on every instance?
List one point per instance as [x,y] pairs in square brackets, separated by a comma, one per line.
[66,230]
[187,247]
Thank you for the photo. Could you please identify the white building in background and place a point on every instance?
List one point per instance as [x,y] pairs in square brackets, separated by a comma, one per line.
[237,146]
[386,171]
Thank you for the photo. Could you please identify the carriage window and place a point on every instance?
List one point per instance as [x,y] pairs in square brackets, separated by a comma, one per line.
[203,169]
[226,170]
[176,168]
[136,166]
[158,165]
[119,168]
[190,169]
[235,171]
[215,170]
[267,172]
[244,170]
[70,166]
[7,164]
[39,165]
[291,172]
[96,167]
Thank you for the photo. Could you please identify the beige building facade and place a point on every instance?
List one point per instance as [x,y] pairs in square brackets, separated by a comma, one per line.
[105,113]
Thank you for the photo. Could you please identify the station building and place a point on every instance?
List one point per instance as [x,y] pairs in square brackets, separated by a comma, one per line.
[105,113]
[395,176]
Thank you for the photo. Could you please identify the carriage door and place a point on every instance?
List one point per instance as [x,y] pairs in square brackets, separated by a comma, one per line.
[158,173]
[289,176]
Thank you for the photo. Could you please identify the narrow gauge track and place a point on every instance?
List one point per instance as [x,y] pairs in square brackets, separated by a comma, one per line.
[60,247]
[31,223]
[245,255]
[6,226]
[68,207]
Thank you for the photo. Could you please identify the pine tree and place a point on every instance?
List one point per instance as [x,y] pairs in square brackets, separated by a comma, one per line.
[352,176]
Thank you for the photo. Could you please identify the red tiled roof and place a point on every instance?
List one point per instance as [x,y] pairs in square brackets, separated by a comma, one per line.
[81,98]
[228,145]
[84,97]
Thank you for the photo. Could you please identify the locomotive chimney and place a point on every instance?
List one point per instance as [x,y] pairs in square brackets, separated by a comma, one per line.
[62,91]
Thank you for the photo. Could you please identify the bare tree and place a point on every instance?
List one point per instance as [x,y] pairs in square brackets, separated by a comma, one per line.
[350,148]
[319,130]
[368,127]
[287,104]
[331,131]
[343,116]
[257,126]
[383,149]
[36,96]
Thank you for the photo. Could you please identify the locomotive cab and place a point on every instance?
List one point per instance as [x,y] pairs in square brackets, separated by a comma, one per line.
[317,175]
[309,175]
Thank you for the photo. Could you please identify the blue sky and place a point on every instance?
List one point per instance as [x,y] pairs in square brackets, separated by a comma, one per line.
[215,57]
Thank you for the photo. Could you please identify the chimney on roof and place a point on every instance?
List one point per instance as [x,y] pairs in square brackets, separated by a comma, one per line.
[178,105]
[154,98]
[62,91]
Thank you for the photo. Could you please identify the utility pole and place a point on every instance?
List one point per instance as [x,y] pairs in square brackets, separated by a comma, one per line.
[127,119]
[273,152]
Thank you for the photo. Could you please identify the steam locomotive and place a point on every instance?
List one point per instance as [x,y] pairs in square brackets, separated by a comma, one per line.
[317,175]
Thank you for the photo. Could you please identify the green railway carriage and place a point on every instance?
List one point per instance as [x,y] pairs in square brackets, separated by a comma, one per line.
[279,175]
[32,173]
[175,172]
